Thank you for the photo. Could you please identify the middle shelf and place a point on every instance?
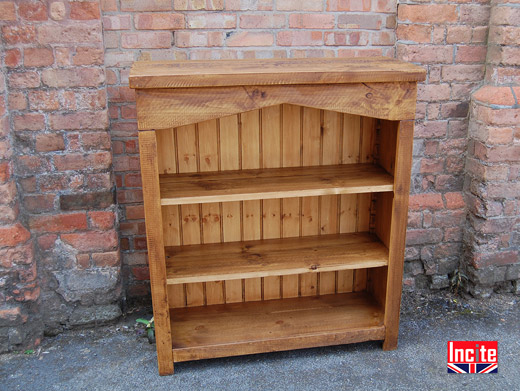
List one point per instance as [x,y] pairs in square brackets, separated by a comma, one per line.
[273,257]
[242,185]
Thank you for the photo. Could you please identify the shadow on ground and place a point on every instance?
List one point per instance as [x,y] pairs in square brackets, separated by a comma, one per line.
[115,358]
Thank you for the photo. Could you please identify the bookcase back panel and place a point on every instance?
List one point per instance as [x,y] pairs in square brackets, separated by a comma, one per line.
[277,136]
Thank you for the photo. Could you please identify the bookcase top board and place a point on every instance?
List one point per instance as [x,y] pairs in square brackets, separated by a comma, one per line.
[220,73]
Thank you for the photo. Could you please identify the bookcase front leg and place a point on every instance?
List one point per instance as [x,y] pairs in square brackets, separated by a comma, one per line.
[403,164]
[156,257]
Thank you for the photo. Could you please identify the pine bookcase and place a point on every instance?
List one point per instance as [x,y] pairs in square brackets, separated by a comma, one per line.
[275,196]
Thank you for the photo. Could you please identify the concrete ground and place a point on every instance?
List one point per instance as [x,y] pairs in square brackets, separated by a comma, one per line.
[115,358]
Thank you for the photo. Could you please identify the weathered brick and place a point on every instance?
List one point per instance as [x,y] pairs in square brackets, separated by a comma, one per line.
[77,77]
[38,57]
[427,13]
[184,39]
[146,5]
[82,201]
[39,203]
[355,38]
[250,39]
[13,235]
[267,21]
[14,35]
[32,11]
[92,241]
[43,100]
[495,259]
[117,22]
[58,223]
[462,72]
[425,54]
[415,33]
[106,259]
[469,54]
[474,14]
[88,56]
[102,220]
[141,273]
[79,121]
[95,141]
[425,201]
[17,101]
[348,5]
[423,236]
[431,129]
[13,58]
[73,33]
[209,21]
[159,21]
[84,10]
[29,121]
[49,142]
[76,161]
[27,79]
[7,11]
[317,21]
[57,10]
[149,40]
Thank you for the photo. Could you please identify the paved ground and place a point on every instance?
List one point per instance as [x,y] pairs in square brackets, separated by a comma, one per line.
[114,358]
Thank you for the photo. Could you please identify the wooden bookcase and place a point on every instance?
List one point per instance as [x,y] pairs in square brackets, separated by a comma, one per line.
[275,195]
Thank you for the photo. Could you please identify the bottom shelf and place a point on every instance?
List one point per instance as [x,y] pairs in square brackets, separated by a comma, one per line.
[274,325]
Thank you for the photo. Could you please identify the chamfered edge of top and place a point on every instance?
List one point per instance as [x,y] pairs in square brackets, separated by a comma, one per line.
[221,73]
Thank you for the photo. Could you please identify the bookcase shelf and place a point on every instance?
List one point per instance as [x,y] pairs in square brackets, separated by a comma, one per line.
[275,198]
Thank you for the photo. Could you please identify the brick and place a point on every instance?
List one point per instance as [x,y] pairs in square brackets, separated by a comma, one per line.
[151,40]
[250,39]
[504,35]
[29,121]
[74,33]
[475,14]
[57,10]
[463,72]
[423,236]
[38,57]
[32,11]
[49,142]
[102,220]
[79,121]
[46,242]
[425,54]
[430,13]
[13,58]
[261,21]
[384,38]
[495,95]
[5,171]
[126,163]
[433,92]
[92,200]
[454,200]
[455,110]
[185,39]
[76,161]
[58,223]
[27,79]
[159,21]
[95,141]
[77,77]
[414,33]
[13,235]
[141,273]
[508,117]
[196,5]
[432,166]
[92,241]
[107,259]
[210,21]
[495,259]
[117,22]
[356,38]
[359,21]
[431,129]
[426,201]
[7,11]
[299,5]
[39,203]
[300,38]
[108,5]
[315,21]
[84,10]
[43,100]
[348,5]
[459,34]
[146,5]
[14,35]
[469,54]
[88,56]
[11,315]
[134,212]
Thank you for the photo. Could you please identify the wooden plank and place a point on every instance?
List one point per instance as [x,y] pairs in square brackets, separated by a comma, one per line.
[384,217]
[171,231]
[199,73]
[271,209]
[403,167]
[252,231]
[272,257]
[156,256]
[329,220]
[169,108]
[176,296]
[273,325]
[388,143]
[246,185]
[166,151]
[230,160]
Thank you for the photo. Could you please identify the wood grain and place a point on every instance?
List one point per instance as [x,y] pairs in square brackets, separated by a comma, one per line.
[272,257]
[274,325]
[243,185]
[168,108]
[156,256]
[198,73]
